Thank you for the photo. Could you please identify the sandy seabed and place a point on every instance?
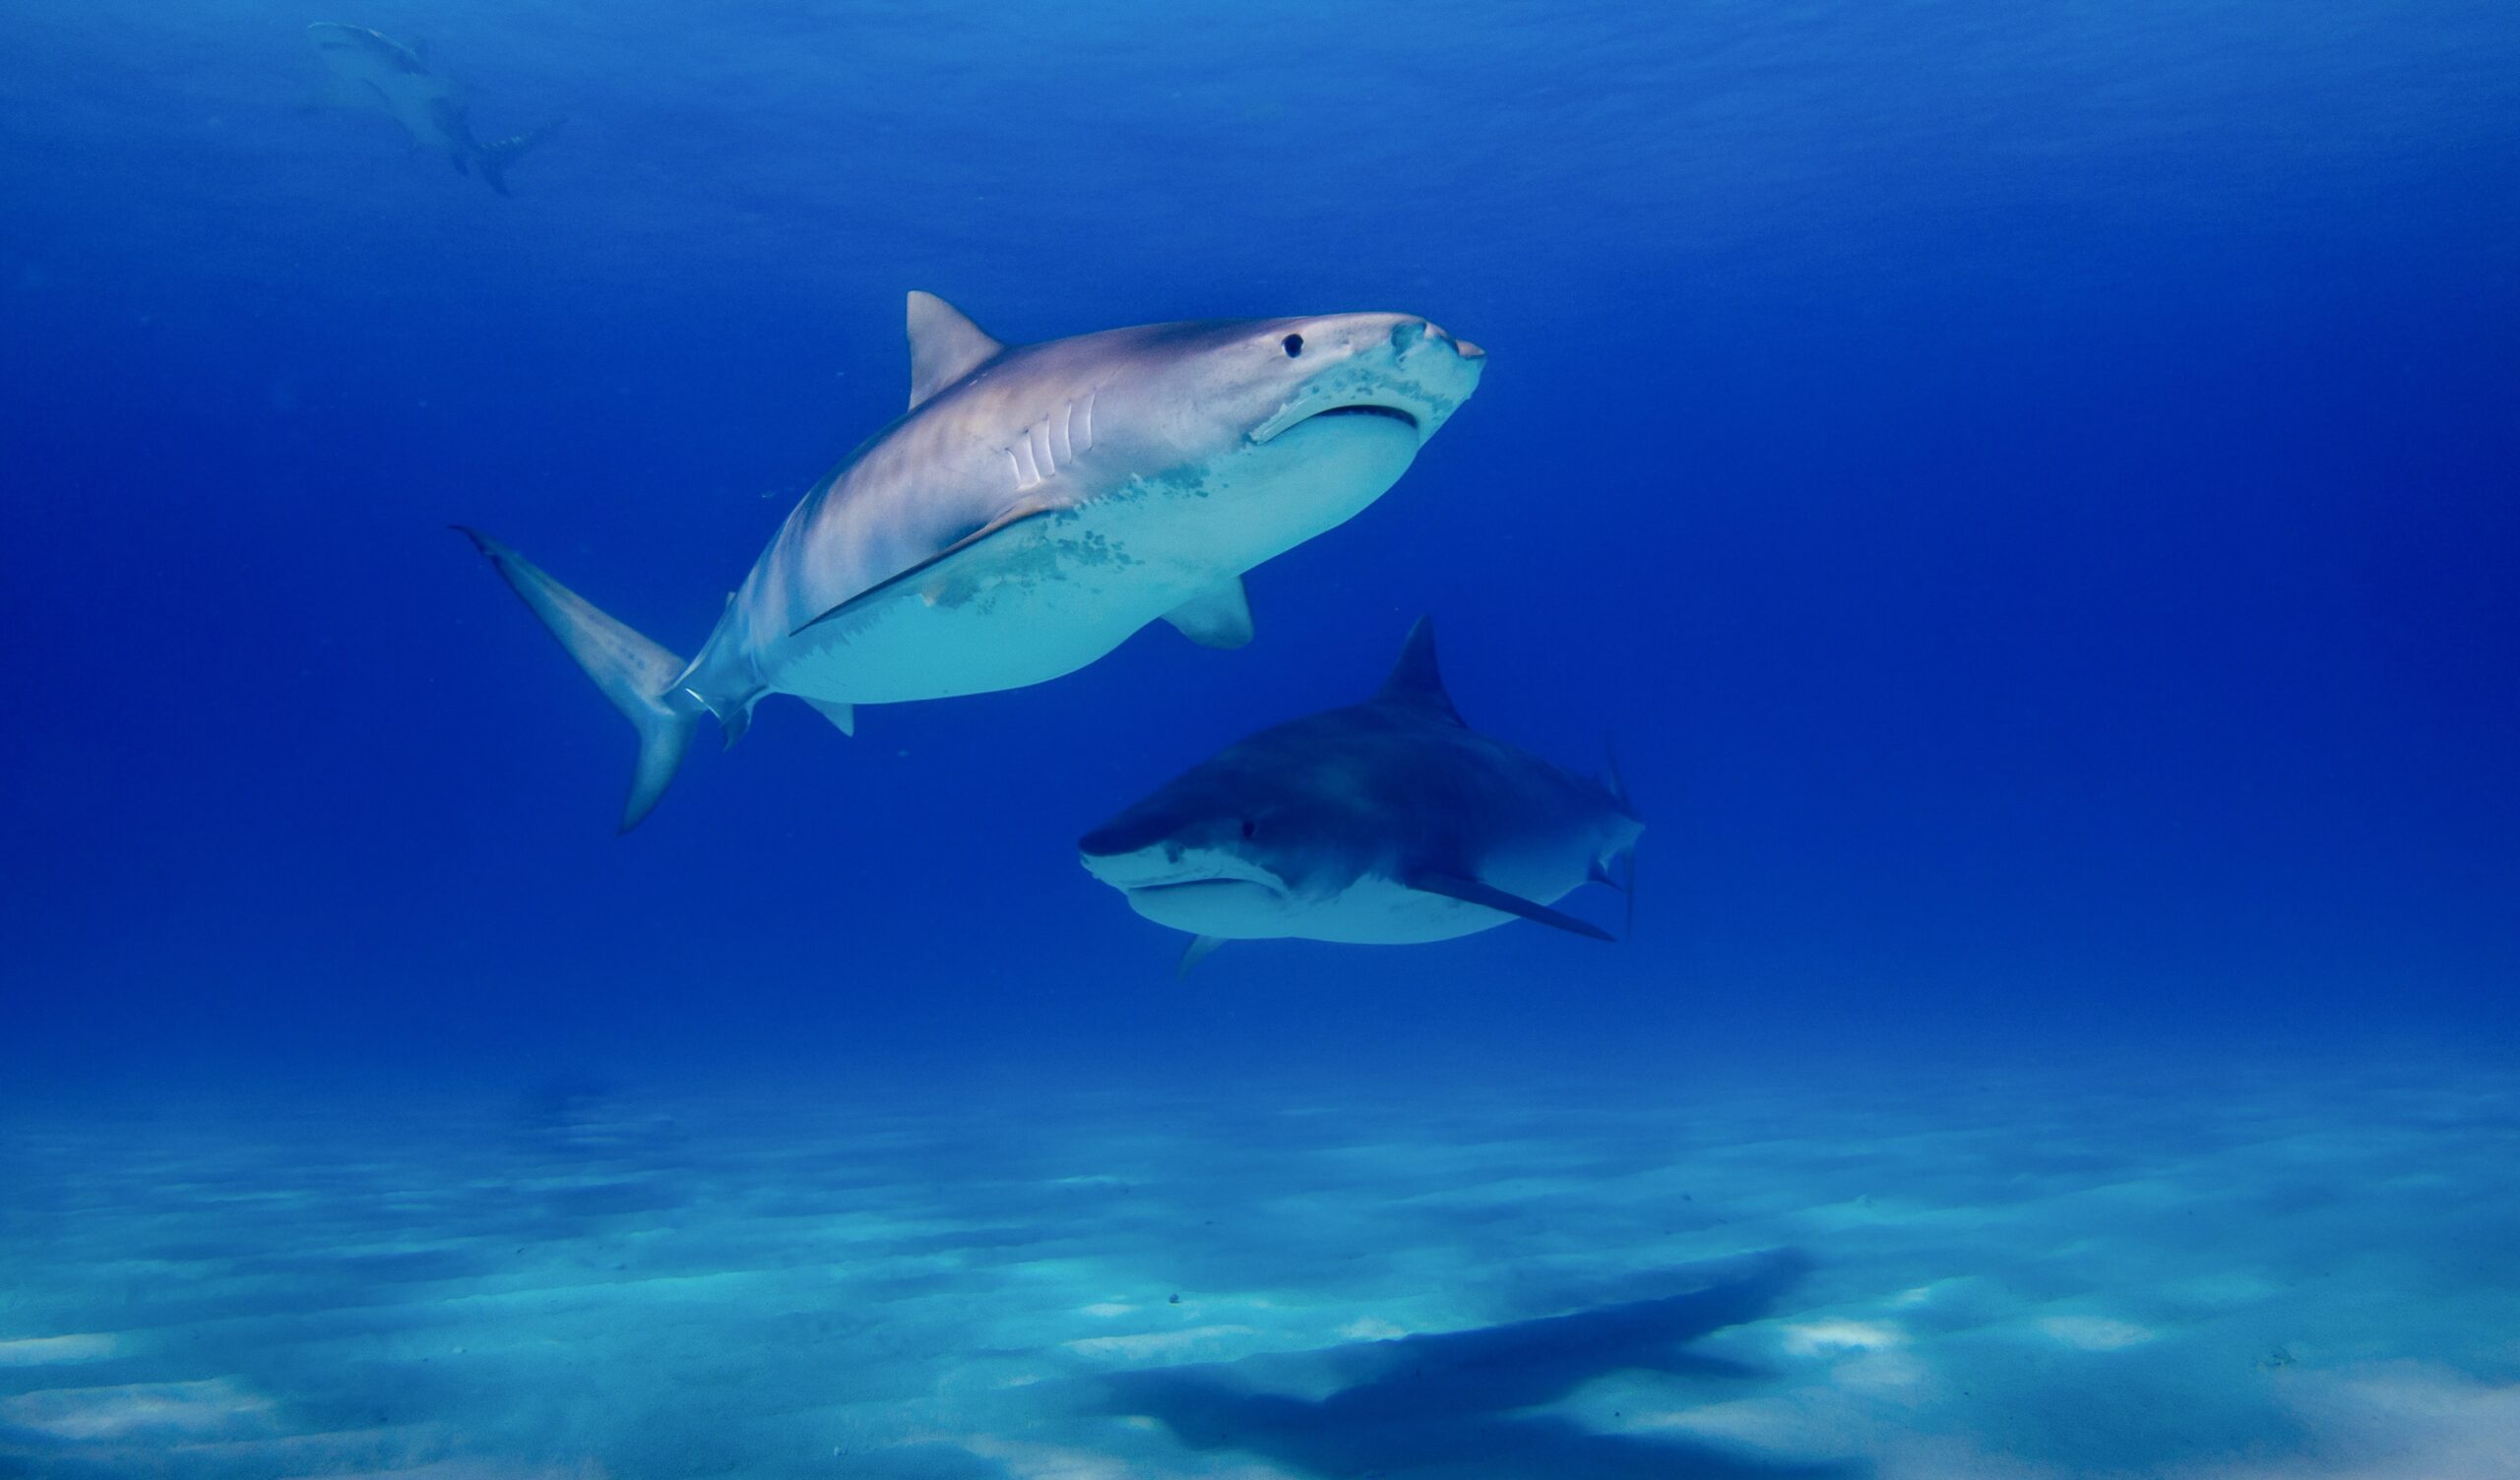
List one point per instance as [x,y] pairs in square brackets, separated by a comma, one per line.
[2242,1274]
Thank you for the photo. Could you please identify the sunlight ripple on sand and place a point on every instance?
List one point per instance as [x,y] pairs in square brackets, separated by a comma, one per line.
[1824,1339]
[2095,1332]
[38,1351]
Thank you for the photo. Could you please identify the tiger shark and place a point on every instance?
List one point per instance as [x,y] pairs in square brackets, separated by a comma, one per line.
[1385,823]
[1034,507]
[374,71]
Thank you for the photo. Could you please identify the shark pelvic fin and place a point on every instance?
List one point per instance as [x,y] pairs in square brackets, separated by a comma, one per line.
[637,675]
[844,715]
[1201,947]
[1473,892]
[944,346]
[1218,617]
[1625,880]
[1414,679]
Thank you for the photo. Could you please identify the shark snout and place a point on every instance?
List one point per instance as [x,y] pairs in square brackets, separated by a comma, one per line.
[1410,334]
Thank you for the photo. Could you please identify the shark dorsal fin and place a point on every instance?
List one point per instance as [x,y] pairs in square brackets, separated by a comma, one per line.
[1414,679]
[944,346]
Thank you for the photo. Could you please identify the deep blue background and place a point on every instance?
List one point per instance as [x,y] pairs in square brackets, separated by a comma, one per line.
[2031,488]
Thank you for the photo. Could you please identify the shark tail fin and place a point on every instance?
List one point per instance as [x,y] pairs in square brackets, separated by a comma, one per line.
[637,675]
[495,158]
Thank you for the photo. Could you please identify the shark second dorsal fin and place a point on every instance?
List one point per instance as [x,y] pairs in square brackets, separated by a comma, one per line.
[1414,679]
[944,346]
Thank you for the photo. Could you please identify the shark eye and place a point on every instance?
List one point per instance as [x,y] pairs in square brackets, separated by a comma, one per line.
[1249,826]
[1294,344]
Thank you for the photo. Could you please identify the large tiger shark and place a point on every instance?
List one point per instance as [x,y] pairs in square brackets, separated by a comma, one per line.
[1035,506]
[372,69]
[1385,823]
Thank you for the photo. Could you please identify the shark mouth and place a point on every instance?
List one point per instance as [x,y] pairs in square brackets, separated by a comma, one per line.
[1193,885]
[1283,422]
[1394,413]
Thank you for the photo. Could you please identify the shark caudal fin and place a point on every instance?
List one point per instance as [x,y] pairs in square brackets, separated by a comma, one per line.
[637,675]
[494,158]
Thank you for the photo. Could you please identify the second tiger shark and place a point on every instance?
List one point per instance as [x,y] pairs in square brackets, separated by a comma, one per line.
[372,69]
[1035,505]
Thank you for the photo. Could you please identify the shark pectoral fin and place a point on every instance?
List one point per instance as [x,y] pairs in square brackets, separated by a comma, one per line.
[968,544]
[1471,891]
[1201,947]
[1218,617]
[844,715]
[944,346]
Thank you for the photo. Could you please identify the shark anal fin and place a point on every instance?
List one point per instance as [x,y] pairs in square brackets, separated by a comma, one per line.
[1019,514]
[844,715]
[944,346]
[1218,617]
[1473,892]
[1201,947]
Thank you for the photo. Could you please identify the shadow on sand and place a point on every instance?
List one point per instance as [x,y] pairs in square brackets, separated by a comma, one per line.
[1450,1404]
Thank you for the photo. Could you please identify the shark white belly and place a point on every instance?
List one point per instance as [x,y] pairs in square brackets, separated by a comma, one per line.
[1374,909]
[1067,588]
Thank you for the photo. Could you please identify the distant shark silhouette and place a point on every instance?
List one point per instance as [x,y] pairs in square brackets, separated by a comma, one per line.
[372,70]
[1447,1404]
[1034,507]
[1384,823]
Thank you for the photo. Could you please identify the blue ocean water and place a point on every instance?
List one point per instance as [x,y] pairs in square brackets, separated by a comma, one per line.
[2029,489]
